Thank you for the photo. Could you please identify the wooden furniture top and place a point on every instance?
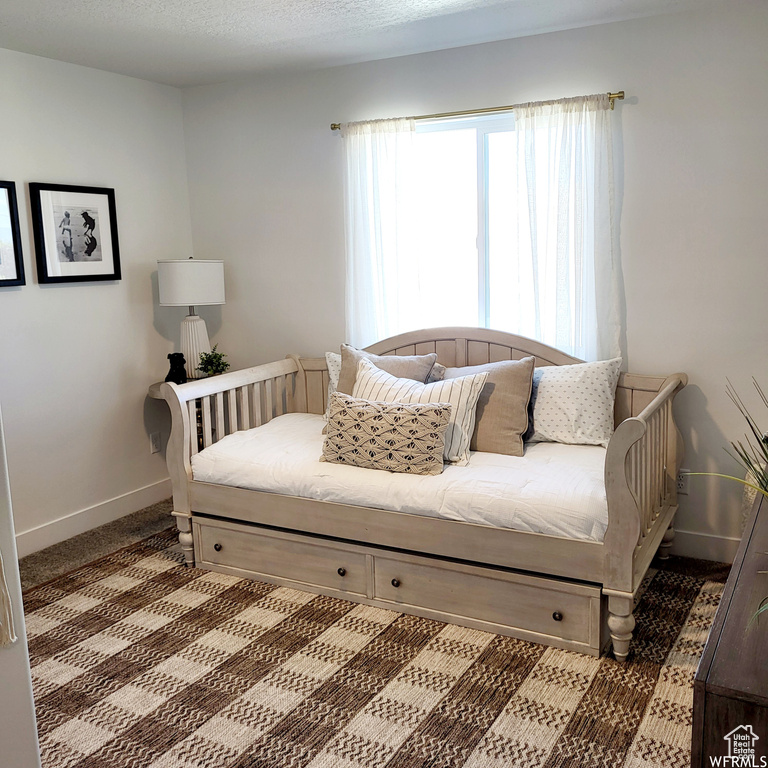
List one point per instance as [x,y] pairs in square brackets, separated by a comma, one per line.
[154,390]
[734,659]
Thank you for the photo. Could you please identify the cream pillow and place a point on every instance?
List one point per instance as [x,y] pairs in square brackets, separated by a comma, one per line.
[333,362]
[398,437]
[502,408]
[574,403]
[416,367]
[437,373]
[374,384]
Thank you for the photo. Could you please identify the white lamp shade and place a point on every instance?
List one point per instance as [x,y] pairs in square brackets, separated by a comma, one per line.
[190,282]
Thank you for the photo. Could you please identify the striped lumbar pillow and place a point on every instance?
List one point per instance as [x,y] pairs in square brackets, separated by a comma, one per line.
[372,383]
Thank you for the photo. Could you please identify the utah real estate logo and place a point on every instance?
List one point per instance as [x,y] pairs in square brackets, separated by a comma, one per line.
[741,750]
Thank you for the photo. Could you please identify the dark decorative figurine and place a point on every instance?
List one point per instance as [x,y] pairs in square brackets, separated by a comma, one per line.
[178,373]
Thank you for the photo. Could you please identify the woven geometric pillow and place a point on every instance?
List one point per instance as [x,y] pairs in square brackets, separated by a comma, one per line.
[398,437]
[462,393]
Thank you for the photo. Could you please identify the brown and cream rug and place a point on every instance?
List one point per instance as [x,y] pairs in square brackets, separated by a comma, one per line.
[139,662]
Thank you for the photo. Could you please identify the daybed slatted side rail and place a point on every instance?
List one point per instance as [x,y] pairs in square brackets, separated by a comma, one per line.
[226,403]
[641,468]
[204,411]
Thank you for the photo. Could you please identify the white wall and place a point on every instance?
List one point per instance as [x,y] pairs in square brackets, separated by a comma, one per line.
[265,189]
[76,359]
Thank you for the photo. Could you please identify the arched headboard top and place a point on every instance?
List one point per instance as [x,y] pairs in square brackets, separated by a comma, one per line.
[460,346]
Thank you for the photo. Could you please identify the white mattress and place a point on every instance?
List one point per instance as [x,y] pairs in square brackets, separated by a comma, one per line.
[554,489]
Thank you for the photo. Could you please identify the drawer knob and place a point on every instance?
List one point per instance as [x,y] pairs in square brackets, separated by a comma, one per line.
[342,571]
[395,583]
[217,547]
[557,616]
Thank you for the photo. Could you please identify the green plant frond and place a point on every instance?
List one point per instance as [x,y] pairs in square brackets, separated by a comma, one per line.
[754,465]
[762,609]
[760,392]
[739,403]
[729,477]
[759,452]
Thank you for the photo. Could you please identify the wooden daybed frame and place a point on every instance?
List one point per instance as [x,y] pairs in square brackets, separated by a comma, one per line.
[561,592]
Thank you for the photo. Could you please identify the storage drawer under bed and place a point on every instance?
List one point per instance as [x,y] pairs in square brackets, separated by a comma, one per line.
[541,609]
[265,553]
[544,606]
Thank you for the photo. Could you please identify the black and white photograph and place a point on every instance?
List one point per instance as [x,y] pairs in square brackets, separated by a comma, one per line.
[11,262]
[77,236]
[75,233]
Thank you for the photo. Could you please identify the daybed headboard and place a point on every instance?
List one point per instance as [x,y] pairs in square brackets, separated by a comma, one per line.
[457,347]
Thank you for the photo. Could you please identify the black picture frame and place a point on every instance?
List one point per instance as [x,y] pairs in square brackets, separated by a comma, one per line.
[75,231]
[11,260]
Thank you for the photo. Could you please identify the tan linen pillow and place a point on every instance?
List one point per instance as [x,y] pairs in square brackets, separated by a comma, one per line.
[502,408]
[374,384]
[416,367]
[398,437]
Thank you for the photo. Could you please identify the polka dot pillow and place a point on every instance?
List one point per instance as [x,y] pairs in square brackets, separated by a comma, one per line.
[574,403]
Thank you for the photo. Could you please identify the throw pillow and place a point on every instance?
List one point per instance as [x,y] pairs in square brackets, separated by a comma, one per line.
[574,403]
[502,408]
[333,361]
[416,367]
[398,437]
[374,384]
[437,373]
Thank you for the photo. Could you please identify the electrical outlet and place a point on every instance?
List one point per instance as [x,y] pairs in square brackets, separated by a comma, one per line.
[154,442]
[682,482]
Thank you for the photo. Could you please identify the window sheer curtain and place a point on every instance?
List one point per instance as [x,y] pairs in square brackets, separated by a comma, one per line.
[566,291]
[561,287]
[380,290]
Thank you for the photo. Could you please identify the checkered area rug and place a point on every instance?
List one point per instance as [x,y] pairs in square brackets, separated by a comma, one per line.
[138,661]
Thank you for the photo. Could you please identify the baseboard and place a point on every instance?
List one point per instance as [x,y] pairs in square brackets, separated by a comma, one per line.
[65,527]
[705,546]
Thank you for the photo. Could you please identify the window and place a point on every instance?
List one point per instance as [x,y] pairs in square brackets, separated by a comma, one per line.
[500,221]
[460,219]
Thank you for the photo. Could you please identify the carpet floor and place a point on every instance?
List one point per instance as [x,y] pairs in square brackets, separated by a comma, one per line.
[138,661]
[79,550]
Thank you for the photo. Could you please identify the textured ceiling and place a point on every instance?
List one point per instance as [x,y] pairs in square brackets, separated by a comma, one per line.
[190,42]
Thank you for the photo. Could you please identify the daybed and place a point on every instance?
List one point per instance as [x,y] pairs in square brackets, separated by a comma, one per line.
[566,592]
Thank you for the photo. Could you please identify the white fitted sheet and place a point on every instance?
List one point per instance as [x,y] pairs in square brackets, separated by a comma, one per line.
[554,489]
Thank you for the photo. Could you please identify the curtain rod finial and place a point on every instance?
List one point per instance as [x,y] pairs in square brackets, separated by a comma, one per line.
[614,96]
[335,126]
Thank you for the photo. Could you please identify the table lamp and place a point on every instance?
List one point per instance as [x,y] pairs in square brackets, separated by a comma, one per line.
[189,283]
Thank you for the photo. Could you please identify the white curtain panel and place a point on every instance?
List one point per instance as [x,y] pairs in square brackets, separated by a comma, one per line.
[566,291]
[559,286]
[378,189]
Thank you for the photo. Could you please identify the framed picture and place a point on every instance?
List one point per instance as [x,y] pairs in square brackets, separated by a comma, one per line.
[11,263]
[75,233]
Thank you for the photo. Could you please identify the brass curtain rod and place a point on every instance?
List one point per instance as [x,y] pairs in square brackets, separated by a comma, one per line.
[611,96]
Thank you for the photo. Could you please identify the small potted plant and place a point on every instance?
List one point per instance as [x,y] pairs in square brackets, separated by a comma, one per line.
[213,362]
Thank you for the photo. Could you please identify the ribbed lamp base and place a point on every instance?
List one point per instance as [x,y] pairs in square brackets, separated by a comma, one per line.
[194,340]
